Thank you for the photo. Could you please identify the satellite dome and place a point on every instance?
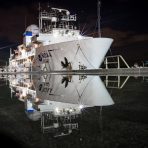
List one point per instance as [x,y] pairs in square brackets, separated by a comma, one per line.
[34,29]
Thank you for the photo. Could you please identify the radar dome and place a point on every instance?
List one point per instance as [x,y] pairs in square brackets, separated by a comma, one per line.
[34,116]
[34,29]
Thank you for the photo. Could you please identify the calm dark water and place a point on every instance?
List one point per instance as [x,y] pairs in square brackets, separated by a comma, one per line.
[119,118]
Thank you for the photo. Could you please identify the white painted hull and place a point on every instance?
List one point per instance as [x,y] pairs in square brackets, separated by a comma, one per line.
[88,52]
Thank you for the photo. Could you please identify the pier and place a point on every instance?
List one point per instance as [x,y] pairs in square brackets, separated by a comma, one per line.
[104,72]
[109,62]
[101,72]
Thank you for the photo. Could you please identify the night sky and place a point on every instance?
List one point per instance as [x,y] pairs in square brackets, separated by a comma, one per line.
[126,21]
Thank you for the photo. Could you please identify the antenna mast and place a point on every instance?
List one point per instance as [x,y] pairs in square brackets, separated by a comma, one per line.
[39,15]
[98,13]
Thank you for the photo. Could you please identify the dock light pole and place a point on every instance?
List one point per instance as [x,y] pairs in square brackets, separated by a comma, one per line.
[99,17]
[6,67]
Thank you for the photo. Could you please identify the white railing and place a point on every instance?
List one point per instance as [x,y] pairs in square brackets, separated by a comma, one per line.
[116,59]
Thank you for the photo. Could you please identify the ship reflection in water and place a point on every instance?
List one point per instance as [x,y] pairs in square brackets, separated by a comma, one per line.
[57,101]
[53,111]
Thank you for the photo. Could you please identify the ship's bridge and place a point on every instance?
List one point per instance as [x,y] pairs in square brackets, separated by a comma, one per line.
[55,25]
[56,18]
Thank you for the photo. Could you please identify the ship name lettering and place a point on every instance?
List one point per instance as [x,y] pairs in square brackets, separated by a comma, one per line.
[44,55]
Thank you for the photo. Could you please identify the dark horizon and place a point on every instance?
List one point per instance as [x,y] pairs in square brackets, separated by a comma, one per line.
[124,21]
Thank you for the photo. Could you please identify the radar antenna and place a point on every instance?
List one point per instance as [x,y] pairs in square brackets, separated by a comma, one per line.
[39,16]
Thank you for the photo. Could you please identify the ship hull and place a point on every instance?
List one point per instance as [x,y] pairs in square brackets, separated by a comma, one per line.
[73,55]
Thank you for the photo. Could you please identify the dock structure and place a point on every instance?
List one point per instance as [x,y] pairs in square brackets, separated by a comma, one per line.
[104,72]
[115,60]
[101,72]
[109,61]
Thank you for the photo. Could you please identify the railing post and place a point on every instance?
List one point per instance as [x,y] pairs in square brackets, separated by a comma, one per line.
[106,63]
[106,81]
[124,61]
[118,62]
[118,81]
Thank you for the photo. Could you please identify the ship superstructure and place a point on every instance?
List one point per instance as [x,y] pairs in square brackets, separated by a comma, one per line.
[57,44]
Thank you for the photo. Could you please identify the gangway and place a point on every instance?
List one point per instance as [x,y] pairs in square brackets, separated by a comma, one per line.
[116,60]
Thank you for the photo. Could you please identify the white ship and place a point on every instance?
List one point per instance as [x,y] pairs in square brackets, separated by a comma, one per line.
[57,45]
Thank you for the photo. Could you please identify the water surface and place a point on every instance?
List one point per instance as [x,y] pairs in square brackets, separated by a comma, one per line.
[104,111]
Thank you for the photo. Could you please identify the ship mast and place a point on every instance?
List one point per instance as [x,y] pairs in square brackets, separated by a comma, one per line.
[98,13]
[39,16]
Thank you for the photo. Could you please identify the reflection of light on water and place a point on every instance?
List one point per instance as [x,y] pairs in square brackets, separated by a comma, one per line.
[54,103]
[70,110]
[81,106]
[37,99]
[57,109]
